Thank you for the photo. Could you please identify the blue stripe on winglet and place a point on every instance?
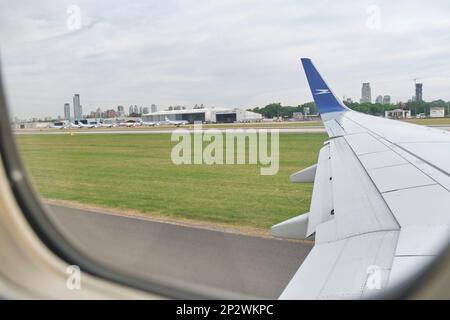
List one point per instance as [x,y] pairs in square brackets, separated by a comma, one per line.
[324,98]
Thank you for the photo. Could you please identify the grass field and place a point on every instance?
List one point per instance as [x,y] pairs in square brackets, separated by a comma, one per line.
[430,121]
[135,172]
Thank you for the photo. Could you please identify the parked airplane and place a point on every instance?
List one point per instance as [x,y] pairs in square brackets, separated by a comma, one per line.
[86,125]
[71,125]
[175,122]
[380,203]
[129,124]
[104,125]
[148,123]
[57,125]
[61,125]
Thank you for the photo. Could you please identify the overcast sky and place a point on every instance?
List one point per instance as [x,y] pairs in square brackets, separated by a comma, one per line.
[219,53]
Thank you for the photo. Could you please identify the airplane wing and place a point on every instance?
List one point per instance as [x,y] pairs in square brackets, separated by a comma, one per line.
[380,207]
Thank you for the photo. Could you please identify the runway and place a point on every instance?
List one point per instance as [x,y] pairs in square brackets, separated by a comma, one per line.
[308,129]
[249,265]
[159,131]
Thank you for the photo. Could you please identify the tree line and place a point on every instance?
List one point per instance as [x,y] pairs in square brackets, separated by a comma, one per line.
[417,107]
[278,110]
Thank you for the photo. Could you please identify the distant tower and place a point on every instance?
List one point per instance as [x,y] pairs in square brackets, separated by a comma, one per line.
[67,111]
[419,87]
[154,108]
[379,99]
[366,93]
[387,99]
[120,111]
[77,113]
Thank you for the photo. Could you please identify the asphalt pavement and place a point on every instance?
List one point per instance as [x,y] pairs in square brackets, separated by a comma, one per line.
[244,264]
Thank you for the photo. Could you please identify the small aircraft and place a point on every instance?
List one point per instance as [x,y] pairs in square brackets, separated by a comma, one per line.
[104,125]
[71,125]
[129,123]
[61,125]
[88,125]
[57,125]
[148,123]
[176,122]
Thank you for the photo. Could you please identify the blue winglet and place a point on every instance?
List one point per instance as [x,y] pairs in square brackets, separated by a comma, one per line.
[324,98]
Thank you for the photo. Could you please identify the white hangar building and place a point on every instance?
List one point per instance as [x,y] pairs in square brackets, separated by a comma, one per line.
[205,115]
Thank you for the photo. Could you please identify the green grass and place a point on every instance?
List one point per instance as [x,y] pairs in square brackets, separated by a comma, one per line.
[430,121]
[135,172]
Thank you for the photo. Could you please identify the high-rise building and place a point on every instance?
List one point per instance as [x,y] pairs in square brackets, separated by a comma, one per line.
[387,99]
[145,110]
[130,110]
[366,93]
[110,113]
[135,109]
[67,111]
[419,87]
[77,109]
[98,113]
[120,111]
[140,110]
[154,108]
[379,99]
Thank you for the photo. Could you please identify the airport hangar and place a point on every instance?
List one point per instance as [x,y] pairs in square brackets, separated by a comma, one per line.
[205,115]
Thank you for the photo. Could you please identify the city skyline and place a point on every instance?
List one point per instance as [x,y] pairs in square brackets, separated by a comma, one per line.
[241,54]
[119,110]
[135,110]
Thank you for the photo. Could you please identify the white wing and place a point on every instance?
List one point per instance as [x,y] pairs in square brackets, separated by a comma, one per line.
[380,208]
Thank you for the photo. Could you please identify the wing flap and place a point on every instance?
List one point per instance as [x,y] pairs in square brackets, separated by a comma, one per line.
[344,269]
[305,175]
[294,228]
[321,209]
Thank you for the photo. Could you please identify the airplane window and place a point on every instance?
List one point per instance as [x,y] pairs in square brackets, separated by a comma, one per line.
[155,141]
